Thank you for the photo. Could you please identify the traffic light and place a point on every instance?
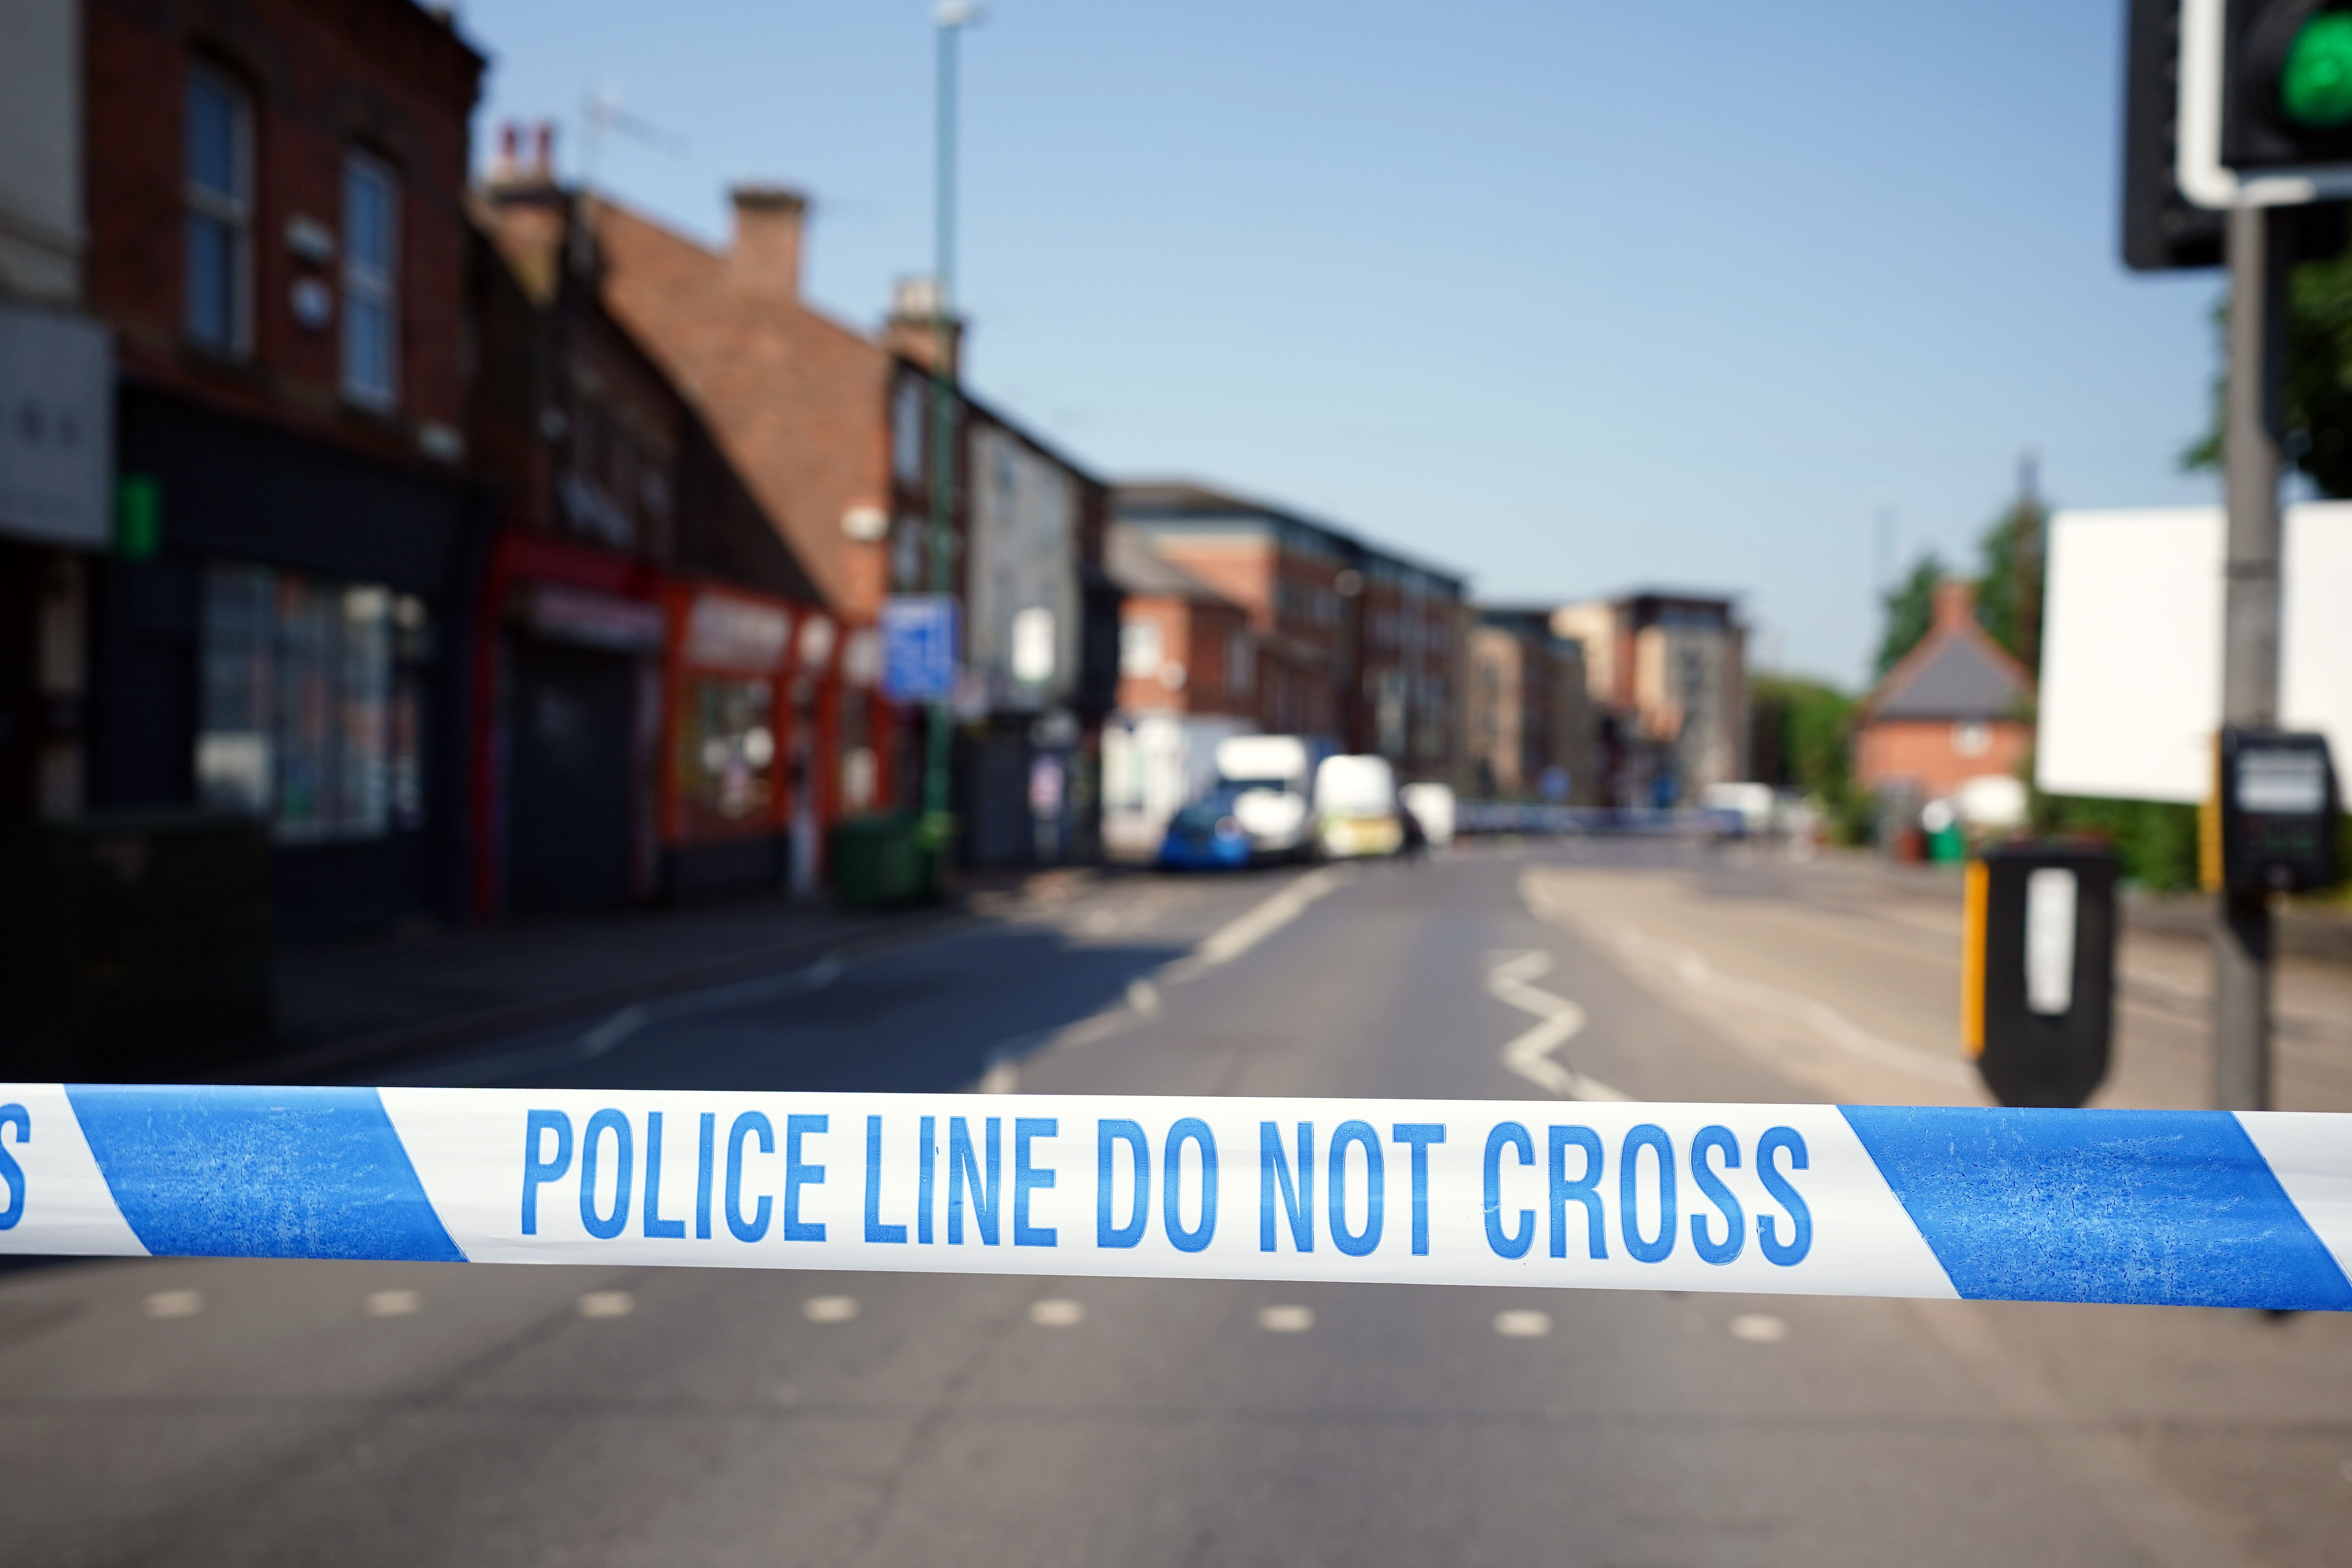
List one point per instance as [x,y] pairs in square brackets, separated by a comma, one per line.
[2286,85]
[2255,97]
[2162,229]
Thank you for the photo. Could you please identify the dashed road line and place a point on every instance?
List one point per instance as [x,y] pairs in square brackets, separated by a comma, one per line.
[597,1304]
[167,1304]
[1056,1312]
[393,1303]
[1285,1319]
[829,1309]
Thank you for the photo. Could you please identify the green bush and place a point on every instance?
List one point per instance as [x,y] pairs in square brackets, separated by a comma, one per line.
[2155,841]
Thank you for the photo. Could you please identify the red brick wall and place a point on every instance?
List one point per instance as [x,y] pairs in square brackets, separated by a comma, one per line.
[325,77]
[800,402]
[1926,752]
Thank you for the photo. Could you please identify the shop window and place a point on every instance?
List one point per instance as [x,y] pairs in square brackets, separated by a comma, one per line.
[371,282]
[1140,648]
[312,704]
[219,196]
[727,744]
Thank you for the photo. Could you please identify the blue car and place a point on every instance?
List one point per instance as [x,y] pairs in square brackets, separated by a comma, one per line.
[1204,837]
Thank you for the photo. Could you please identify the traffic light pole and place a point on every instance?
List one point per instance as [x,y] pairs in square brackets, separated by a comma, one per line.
[2259,258]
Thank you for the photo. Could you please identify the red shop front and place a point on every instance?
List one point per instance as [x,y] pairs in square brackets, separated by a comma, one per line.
[751,744]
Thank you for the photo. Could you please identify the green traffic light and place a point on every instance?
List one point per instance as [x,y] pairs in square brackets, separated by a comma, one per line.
[2315,88]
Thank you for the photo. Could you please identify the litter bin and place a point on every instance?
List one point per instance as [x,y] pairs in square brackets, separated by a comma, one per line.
[2038,970]
[881,862]
[134,946]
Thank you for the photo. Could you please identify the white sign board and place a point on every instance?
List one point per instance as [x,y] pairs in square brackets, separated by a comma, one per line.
[2131,647]
[56,428]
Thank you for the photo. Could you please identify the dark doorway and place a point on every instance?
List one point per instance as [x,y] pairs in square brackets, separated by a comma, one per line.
[569,813]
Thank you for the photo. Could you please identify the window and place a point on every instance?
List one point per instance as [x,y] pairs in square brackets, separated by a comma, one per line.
[727,745]
[219,261]
[907,430]
[312,703]
[1240,669]
[371,282]
[1139,647]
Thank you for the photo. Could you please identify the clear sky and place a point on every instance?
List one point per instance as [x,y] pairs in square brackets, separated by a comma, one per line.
[1570,296]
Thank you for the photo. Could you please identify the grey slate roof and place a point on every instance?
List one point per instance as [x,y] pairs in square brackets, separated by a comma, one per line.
[1135,568]
[1960,679]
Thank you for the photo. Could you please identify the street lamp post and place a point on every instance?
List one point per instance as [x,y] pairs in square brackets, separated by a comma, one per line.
[950,19]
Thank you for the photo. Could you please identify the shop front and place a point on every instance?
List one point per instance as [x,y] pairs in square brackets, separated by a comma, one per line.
[753,700]
[279,639]
[566,755]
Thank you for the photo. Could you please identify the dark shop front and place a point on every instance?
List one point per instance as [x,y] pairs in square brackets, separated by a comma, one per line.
[281,637]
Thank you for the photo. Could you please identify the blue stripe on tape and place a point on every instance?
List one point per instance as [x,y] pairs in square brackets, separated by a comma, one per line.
[2162,1207]
[259,1173]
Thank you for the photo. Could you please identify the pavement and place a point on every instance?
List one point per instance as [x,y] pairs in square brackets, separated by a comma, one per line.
[235,1412]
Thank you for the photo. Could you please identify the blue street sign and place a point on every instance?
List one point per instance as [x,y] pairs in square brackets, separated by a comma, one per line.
[919,648]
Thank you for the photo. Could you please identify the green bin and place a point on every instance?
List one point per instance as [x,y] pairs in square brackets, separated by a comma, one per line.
[881,862]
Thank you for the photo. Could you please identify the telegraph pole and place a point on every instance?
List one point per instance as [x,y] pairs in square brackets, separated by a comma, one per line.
[2251,438]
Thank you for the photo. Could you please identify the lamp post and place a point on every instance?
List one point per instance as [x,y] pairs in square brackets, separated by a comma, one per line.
[950,19]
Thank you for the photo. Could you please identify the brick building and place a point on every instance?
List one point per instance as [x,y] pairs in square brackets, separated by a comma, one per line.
[1669,670]
[1188,679]
[1534,728]
[831,429]
[1356,646]
[1954,708]
[656,692]
[275,193]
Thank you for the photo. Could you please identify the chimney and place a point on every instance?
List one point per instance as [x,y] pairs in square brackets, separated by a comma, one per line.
[1956,603]
[765,258]
[912,329]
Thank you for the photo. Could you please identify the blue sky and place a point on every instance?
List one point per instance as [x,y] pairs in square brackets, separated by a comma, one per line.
[1570,296]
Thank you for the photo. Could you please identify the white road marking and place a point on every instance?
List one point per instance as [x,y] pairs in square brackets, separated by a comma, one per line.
[610,1035]
[829,1309]
[1056,1313]
[1691,969]
[1230,941]
[174,1304]
[1143,997]
[1003,1076]
[393,1303]
[1285,1319]
[1530,1054]
[615,1031]
[607,1304]
[1523,1324]
[1759,1328]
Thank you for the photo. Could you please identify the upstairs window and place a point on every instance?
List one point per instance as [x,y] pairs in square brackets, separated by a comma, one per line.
[371,282]
[220,214]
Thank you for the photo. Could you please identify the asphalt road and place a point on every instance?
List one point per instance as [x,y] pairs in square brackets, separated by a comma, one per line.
[218,1411]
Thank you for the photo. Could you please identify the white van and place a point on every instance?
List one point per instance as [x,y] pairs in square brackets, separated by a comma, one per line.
[1272,778]
[1356,807]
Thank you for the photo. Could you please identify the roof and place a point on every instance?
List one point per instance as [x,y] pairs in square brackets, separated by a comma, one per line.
[1135,568]
[1955,673]
[1187,504]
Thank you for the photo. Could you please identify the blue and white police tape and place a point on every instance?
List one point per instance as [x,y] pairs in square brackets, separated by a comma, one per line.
[2189,1207]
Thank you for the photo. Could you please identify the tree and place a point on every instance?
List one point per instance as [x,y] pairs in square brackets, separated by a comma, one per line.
[1910,611]
[2008,593]
[2319,377]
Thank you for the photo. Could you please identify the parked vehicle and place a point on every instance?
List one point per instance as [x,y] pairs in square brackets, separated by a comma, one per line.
[1431,805]
[1206,837]
[1153,765]
[1356,807]
[1272,779]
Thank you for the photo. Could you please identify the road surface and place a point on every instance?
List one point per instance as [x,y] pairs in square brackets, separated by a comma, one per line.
[267,1413]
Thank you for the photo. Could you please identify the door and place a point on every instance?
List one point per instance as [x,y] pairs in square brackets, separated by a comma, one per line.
[569,816]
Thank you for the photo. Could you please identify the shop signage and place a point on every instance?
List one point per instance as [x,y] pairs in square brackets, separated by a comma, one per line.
[723,631]
[919,648]
[56,462]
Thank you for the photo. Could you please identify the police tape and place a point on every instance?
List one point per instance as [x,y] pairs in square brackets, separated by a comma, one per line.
[2184,1208]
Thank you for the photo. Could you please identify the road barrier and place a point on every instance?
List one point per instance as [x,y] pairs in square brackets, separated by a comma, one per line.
[2202,1208]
